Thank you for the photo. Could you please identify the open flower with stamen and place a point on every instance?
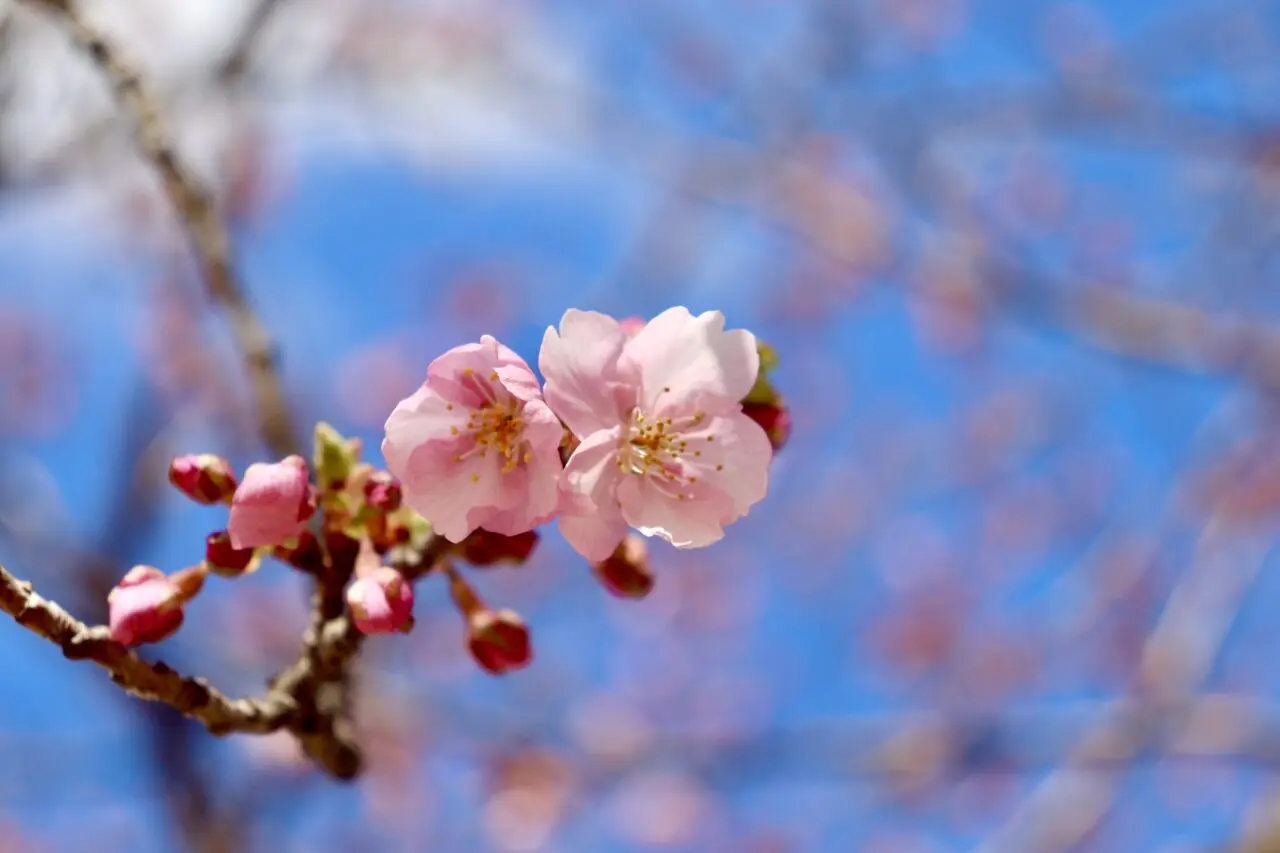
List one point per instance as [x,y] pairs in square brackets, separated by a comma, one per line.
[665,446]
[476,445]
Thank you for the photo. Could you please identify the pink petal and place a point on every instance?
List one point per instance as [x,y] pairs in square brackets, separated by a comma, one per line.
[594,536]
[590,519]
[692,362]
[422,416]
[742,452]
[580,365]
[650,508]
[461,375]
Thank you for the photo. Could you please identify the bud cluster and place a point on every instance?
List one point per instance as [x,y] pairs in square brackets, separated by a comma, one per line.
[502,461]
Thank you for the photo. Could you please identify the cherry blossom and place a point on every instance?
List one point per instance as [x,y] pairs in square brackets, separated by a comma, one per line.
[665,447]
[476,445]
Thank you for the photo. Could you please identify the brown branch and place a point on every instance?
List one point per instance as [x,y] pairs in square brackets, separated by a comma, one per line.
[236,62]
[309,698]
[202,224]
[156,682]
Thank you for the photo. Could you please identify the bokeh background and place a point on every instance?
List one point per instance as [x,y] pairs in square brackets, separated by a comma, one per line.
[1012,589]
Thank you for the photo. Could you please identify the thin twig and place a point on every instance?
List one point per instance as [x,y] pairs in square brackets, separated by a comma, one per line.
[202,224]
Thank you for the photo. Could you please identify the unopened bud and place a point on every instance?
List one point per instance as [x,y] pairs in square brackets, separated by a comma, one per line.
[302,553]
[334,457]
[482,548]
[626,572]
[382,491]
[272,504]
[205,478]
[774,417]
[225,559]
[499,641]
[381,602]
[146,605]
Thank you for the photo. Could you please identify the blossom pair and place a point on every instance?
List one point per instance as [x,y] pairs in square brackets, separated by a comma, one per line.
[652,413]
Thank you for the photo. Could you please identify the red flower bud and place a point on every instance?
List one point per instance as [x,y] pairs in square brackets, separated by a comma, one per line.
[225,559]
[483,548]
[304,553]
[205,478]
[775,418]
[146,605]
[499,641]
[626,573]
[272,504]
[382,491]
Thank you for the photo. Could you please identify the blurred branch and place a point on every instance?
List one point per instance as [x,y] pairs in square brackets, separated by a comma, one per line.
[236,62]
[204,228]
[1177,657]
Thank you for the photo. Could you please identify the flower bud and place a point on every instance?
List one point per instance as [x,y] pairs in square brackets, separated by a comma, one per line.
[482,548]
[626,573]
[205,478]
[334,457]
[146,605]
[499,641]
[272,503]
[225,559]
[381,602]
[774,417]
[382,491]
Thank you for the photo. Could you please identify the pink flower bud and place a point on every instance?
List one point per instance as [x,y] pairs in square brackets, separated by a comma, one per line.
[626,573]
[774,418]
[205,478]
[272,503]
[381,602]
[499,641]
[483,548]
[382,491]
[146,606]
[225,559]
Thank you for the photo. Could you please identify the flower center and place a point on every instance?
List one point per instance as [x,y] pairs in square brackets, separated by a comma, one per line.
[657,448]
[496,425]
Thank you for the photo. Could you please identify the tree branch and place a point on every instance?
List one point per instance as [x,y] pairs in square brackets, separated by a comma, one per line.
[203,227]
[194,697]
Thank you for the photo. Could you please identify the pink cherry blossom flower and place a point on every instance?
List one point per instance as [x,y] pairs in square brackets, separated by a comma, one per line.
[144,607]
[665,446]
[476,445]
[272,503]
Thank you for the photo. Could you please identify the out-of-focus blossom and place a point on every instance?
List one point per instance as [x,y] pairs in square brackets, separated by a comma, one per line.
[476,446]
